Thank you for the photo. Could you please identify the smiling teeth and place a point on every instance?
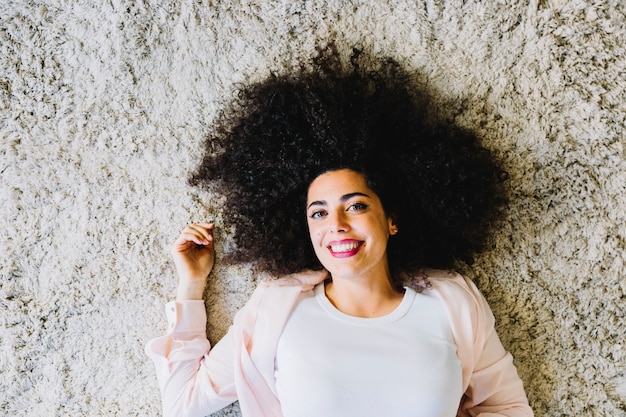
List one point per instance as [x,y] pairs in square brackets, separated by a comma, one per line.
[345,247]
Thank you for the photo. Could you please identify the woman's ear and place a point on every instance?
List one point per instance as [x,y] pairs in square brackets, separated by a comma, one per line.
[392,222]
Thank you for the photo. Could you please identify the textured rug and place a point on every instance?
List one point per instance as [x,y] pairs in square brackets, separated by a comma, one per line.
[103,108]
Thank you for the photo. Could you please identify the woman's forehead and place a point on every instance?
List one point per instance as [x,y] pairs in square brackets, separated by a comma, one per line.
[337,184]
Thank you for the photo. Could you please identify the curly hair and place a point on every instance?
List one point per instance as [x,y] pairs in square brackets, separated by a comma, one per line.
[276,136]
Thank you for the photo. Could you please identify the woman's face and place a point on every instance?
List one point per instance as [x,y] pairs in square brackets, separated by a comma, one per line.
[348,225]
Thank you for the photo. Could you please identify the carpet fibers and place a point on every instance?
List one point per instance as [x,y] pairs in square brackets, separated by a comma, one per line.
[103,109]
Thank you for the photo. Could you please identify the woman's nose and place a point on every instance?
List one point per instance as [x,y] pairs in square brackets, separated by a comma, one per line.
[339,223]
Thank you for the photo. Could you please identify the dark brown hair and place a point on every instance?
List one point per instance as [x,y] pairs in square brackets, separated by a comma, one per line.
[278,135]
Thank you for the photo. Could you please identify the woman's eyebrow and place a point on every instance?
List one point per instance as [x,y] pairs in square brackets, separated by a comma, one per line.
[316,203]
[343,199]
[347,197]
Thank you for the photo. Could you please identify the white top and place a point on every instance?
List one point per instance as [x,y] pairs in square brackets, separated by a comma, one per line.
[334,365]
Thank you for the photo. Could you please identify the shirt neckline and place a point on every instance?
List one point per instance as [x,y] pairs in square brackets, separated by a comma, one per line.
[399,312]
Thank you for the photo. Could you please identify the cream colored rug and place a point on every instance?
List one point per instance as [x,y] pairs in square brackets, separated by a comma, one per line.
[104,105]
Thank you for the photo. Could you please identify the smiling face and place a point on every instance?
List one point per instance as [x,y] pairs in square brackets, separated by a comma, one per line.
[348,226]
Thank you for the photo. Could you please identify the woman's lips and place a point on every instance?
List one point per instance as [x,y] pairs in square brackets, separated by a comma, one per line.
[344,248]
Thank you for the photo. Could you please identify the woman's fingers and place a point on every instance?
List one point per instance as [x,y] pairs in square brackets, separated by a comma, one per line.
[193,254]
[197,233]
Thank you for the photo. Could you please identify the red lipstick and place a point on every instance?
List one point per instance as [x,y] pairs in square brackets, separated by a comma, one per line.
[345,248]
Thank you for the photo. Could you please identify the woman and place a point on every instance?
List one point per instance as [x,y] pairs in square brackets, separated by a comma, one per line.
[336,172]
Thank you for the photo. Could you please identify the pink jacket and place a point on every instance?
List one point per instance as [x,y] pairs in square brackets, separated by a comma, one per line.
[194,382]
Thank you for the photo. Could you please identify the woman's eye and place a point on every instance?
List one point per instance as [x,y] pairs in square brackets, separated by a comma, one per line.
[357,207]
[317,214]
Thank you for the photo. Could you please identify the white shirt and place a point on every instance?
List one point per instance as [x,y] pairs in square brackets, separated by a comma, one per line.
[330,364]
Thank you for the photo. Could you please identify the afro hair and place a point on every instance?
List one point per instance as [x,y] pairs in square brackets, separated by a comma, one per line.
[276,136]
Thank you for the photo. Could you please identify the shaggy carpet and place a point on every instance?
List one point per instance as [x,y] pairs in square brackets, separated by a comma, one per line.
[103,108]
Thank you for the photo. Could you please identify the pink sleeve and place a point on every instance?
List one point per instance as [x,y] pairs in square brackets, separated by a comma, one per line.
[495,388]
[193,382]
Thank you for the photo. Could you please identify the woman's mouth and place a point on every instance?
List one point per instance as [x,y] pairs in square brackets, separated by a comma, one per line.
[345,248]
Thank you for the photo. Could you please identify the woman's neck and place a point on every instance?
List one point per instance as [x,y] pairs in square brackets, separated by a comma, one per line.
[364,296]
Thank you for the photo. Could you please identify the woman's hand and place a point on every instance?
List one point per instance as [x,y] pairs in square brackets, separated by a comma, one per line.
[194,255]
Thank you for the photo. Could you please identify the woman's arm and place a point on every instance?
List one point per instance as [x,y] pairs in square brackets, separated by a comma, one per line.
[495,388]
[492,385]
[192,381]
